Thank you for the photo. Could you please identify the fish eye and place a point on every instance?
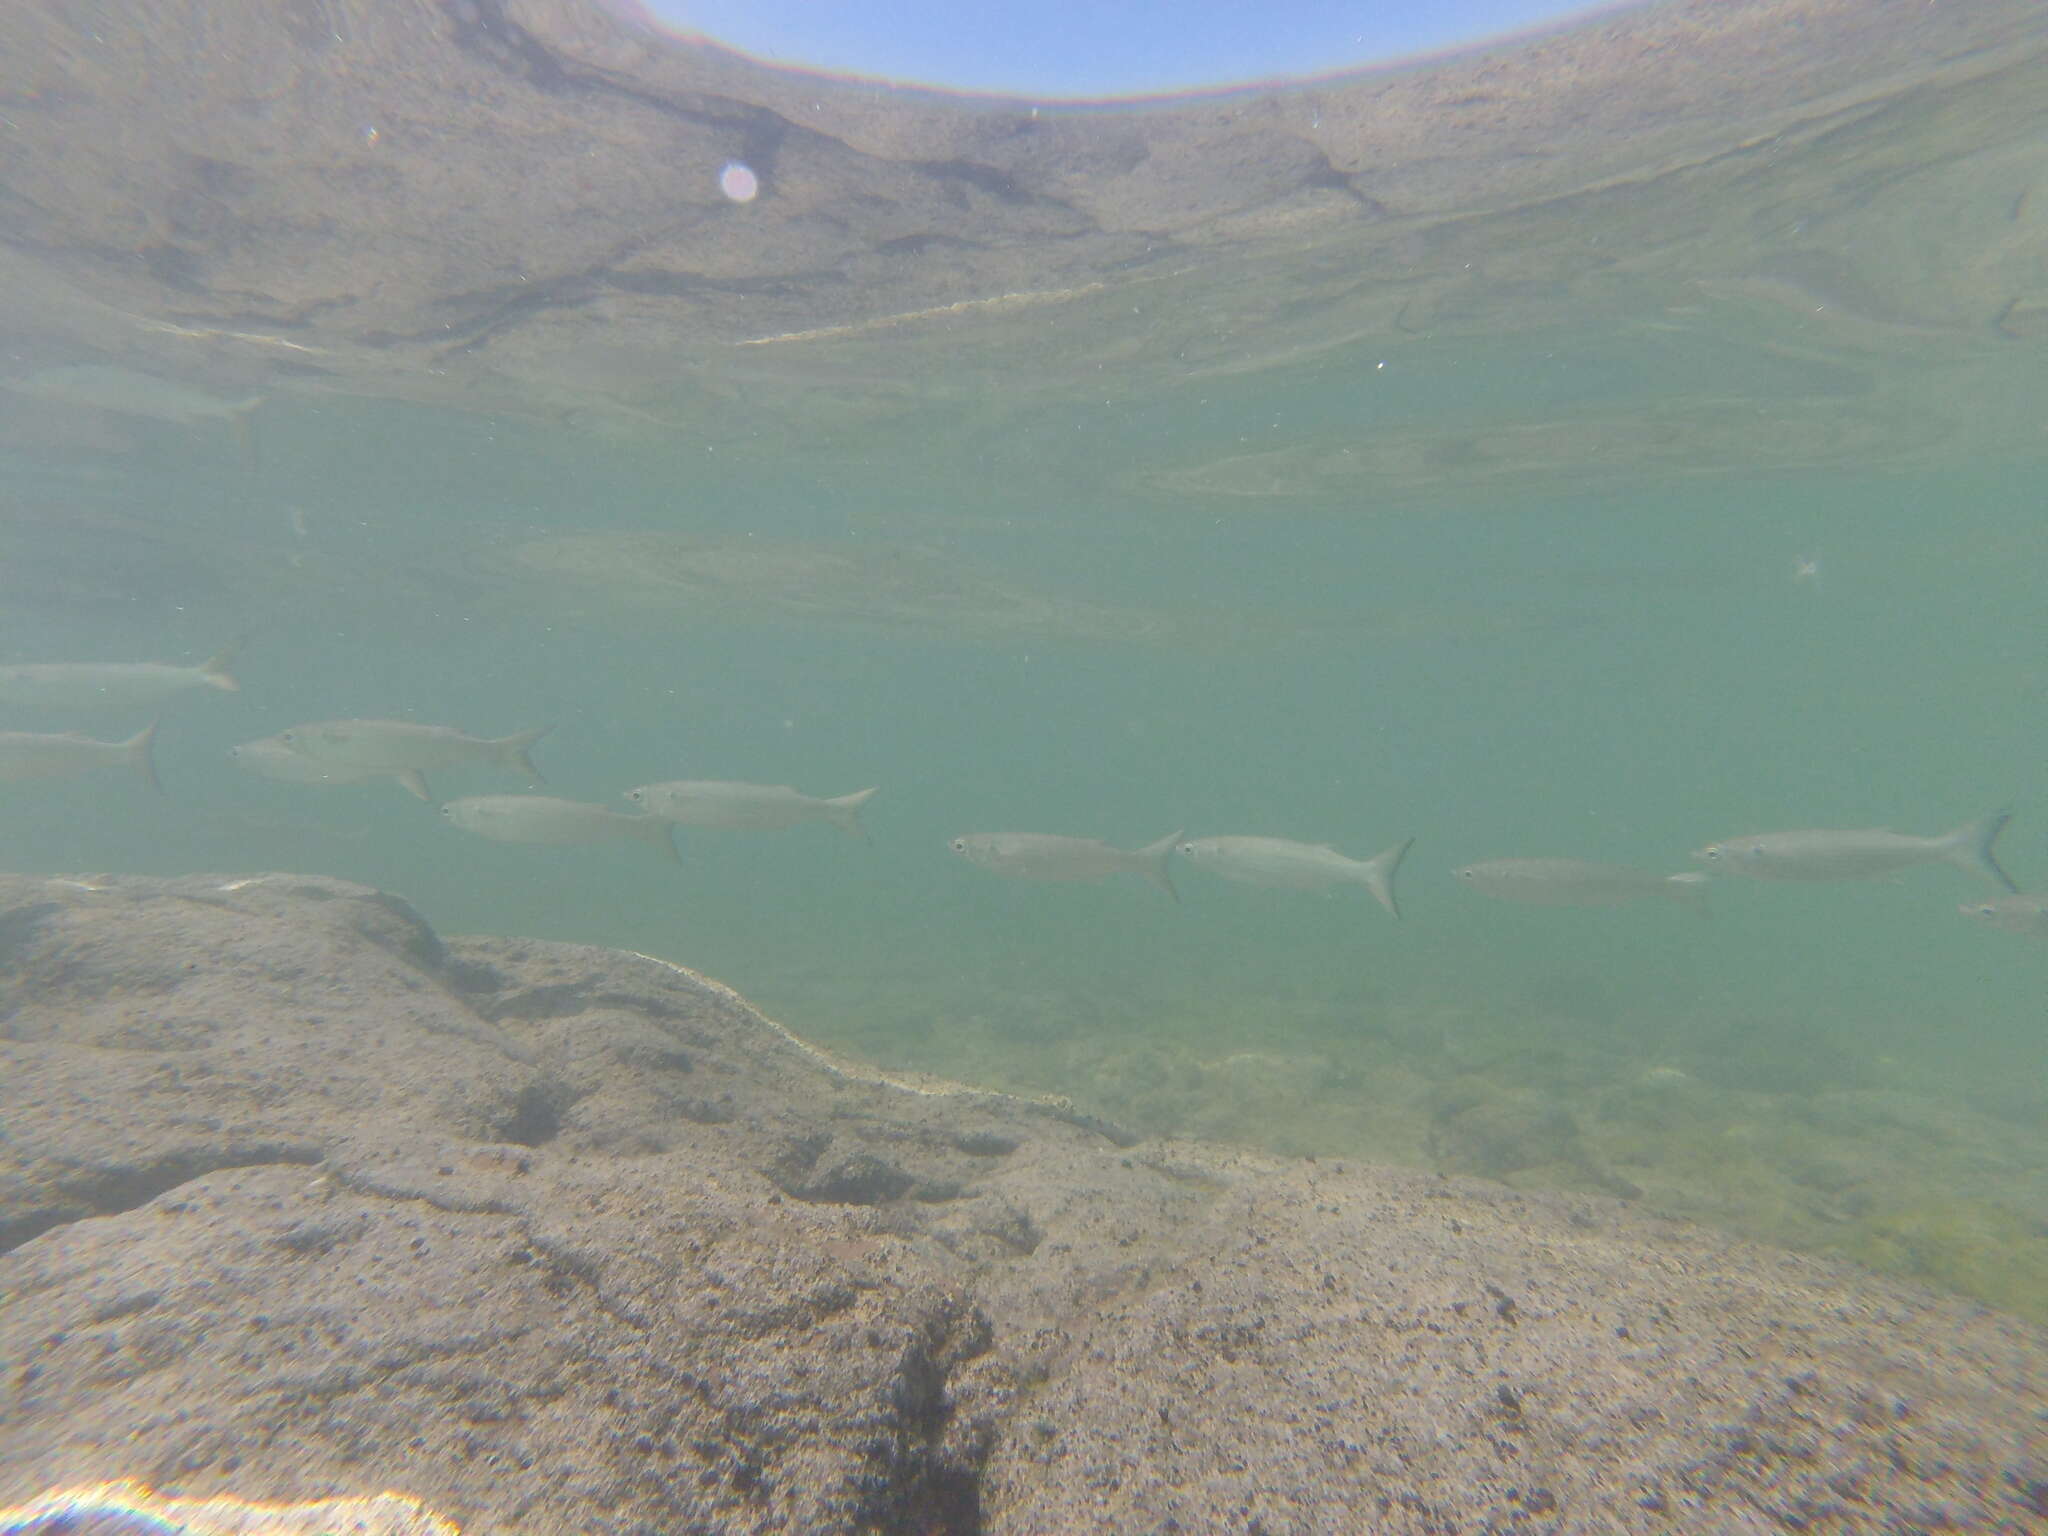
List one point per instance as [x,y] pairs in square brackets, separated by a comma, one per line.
[287,737]
[1462,874]
[635,795]
[446,812]
[1711,851]
[959,845]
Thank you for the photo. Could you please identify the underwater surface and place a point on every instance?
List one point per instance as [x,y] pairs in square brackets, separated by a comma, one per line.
[1406,582]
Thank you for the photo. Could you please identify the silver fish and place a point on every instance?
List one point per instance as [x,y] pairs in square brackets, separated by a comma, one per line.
[105,387]
[25,755]
[2011,914]
[272,759]
[1861,855]
[1050,856]
[90,684]
[359,749]
[544,819]
[730,803]
[1578,883]
[1283,863]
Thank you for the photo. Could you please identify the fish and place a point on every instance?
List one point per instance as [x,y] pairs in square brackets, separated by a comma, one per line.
[270,758]
[89,684]
[1579,883]
[731,803]
[353,750]
[126,392]
[1051,856]
[544,819]
[26,755]
[1279,862]
[1862,855]
[2011,914]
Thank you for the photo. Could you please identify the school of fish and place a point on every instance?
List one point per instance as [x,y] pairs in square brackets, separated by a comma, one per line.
[346,752]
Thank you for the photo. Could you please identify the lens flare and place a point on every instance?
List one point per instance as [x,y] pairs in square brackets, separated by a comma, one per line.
[738,181]
[134,1509]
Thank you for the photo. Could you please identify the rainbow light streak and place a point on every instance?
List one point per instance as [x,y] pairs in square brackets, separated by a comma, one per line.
[134,1509]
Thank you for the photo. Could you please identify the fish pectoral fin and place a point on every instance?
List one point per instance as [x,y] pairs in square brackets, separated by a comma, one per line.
[415,783]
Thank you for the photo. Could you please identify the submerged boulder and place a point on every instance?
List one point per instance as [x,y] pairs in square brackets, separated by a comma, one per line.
[299,1201]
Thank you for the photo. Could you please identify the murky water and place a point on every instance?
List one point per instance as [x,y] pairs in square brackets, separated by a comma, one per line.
[1621,677]
[1407,584]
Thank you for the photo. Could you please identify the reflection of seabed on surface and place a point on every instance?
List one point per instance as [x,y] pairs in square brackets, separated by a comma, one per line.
[1857,184]
[872,584]
[996,304]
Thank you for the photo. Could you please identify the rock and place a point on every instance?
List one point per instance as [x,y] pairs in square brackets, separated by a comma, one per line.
[1372,1351]
[300,1201]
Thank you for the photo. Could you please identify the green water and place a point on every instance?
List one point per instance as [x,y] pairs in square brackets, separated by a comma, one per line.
[1617,673]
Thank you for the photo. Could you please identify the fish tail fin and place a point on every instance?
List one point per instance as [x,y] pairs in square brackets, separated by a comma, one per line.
[218,669]
[513,749]
[141,750]
[662,834]
[844,811]
[1969,847]
[1153,860]
[1379,873]
[1689,889]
